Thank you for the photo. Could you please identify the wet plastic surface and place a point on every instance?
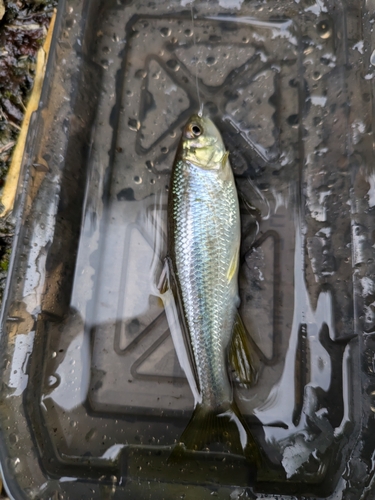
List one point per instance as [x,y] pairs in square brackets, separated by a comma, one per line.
[92,393]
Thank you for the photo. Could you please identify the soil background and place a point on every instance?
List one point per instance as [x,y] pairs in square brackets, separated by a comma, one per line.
[23,27]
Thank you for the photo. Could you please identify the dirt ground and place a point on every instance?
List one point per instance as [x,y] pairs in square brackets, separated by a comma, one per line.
[23,27]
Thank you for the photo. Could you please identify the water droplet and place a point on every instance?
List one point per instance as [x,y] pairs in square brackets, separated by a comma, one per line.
[372,58]
[134,124]
[210,61]
[91,433]
[317,75]
[165,31]
[53,354]
[173,65]
[324,29]
[317,121]
[141,73]
[137,179]
[52,380]
[152,181]
[164,150]
[13,438]
[188,32]
[73,423]
[292,120]
[149,165]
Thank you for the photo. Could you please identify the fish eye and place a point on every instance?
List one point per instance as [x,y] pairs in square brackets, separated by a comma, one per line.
[196,130]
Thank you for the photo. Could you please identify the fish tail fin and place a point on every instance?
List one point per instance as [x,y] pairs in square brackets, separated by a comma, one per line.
[221,429]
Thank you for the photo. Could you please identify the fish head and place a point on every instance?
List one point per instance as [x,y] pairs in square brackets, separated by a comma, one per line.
[202,144]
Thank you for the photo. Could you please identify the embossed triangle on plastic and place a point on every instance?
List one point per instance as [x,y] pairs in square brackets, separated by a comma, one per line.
[159,113]
[160,360]
[216,57]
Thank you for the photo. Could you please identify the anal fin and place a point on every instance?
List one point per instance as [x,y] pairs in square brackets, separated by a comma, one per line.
[241,355]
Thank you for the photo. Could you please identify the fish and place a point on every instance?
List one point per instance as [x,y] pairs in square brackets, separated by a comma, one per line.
[204,236]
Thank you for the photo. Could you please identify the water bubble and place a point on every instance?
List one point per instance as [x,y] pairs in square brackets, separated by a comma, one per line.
[137,179]
[164,150]
[149,165]
[188,32]
[210,61]
[372,58]
[152,181]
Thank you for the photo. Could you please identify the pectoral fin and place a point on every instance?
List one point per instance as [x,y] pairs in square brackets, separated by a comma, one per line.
[225,158]
[233,266]
[241,355]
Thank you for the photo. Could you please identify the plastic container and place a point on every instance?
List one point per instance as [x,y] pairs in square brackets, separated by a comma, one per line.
[92,395]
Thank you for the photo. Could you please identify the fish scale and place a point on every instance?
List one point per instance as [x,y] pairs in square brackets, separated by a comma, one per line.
[206,218]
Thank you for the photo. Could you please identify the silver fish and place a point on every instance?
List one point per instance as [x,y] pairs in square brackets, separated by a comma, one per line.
[203,244]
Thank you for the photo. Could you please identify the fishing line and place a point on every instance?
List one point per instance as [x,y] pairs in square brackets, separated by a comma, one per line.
[200,112]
